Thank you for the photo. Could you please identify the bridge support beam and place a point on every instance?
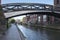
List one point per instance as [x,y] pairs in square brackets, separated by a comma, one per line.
[48,19]
[28,18]
[52,19]
[41,19]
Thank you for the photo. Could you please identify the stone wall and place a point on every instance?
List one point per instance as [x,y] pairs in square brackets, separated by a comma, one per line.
[3,21]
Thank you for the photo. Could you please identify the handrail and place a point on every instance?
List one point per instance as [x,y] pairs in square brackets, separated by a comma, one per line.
[25,6]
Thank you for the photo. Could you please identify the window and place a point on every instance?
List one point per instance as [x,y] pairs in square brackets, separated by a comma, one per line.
[57,1]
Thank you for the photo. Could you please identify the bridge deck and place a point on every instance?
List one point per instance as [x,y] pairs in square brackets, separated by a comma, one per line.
[13,9]
[7,15]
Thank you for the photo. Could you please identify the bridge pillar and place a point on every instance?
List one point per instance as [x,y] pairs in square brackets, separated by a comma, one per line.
[48,19]
[36,17]
[3,22]
[52,19]
[28,18]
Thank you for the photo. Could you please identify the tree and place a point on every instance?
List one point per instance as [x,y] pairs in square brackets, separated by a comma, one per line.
[12,21]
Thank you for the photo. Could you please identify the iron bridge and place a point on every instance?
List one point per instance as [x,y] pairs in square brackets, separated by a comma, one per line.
[28,8]
[25,6]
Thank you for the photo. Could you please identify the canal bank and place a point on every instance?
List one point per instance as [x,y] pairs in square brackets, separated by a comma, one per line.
[55,27]
[48,27]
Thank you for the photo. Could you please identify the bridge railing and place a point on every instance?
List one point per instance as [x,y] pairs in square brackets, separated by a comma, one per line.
[25,6]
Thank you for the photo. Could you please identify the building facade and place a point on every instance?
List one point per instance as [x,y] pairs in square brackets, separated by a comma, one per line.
[24,20]
[57,5]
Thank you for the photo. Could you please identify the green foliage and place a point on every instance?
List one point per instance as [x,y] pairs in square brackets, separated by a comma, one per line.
[8,25]
[12,21]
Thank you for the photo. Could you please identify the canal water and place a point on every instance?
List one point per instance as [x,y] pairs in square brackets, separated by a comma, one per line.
[40,34]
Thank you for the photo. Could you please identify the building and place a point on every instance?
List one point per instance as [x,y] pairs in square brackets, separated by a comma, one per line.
[24,20]
[33,18]
[57,5]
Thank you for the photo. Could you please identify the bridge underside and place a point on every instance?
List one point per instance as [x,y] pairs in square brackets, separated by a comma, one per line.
[20,13]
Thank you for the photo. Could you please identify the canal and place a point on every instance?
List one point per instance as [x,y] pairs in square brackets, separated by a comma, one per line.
[40,34]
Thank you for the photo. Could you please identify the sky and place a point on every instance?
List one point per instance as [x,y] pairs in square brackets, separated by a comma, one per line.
[19,17]
[28,1]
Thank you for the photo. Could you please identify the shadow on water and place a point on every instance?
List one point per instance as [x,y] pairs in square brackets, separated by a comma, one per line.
[47,33]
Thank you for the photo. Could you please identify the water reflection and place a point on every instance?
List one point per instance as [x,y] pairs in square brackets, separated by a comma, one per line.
[36,21]
[40,34]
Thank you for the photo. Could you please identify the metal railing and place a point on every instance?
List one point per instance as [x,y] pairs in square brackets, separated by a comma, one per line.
[25,6]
